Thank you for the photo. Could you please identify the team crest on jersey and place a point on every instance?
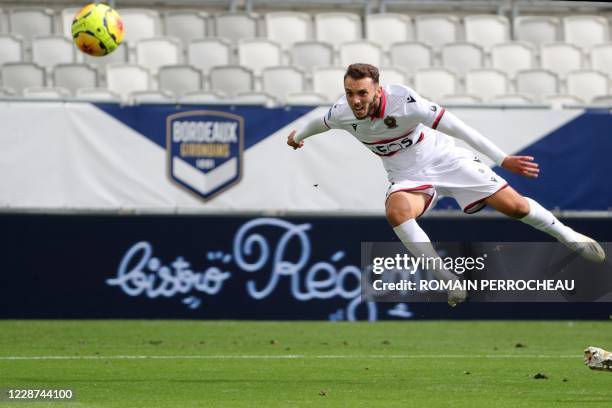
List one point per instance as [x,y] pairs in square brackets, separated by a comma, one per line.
[390,122]
[204,151]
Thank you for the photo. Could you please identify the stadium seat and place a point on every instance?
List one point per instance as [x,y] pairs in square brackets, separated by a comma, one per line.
[50,50]
[327,81]
[66,17]
[281,81]
[75,76]
[46,93]
[460,99]
[287,27]
[391,75]
[179,79]
[310,54]
[585,31]
[486,29]
[255,98]
[462,57]
[587,84]
[208,53]
[361,51]
[537,83]
[19,75]
[97,95]
[387,28]
[119,56]
[486,83]
[124,79]
[512,99]
[511,57]
[561,58]
[4,93]
[436,29]
[186,25]
[434,83]
[601,58]
[11,49]
[30,22]
[337,28]
[537,29]
[138,97]
[603,100]
[231,79]
[259,53]
[411,56]
[203,97]
[155,52]
[139,24]
[559,101]
[235,26]
[306,99]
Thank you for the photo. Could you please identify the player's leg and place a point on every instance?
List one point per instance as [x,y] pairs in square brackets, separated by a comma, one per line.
[402,208]
[512,204]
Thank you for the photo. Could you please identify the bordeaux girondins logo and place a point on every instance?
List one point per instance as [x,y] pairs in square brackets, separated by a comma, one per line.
[391,122]
[204,151]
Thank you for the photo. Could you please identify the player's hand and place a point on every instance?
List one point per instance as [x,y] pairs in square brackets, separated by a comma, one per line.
[292,143]
[523,165]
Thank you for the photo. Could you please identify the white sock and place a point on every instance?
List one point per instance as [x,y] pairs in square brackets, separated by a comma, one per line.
[418,243]
[542,219]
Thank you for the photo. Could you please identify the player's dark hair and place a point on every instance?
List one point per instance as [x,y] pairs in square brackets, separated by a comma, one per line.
[360,71]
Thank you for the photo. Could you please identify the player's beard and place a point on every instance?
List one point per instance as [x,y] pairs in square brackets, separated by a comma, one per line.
[372,108]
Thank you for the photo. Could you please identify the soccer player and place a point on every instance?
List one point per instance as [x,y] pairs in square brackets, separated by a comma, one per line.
[410,134]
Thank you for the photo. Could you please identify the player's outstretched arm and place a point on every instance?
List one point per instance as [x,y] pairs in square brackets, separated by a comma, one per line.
[315,126]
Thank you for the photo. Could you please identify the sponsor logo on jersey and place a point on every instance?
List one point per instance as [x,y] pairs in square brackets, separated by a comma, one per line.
[433,108]
[354,125]
[391,146]
[410,99]
[390,122]
[204,151]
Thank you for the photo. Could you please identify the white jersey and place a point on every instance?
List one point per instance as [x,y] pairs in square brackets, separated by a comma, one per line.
[403,134]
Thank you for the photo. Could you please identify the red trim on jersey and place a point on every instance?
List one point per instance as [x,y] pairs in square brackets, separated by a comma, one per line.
[421,138]
[388,140]
[437,120]
[383,105]
[469,209]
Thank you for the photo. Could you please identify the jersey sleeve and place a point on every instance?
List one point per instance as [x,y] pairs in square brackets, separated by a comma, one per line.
[331,118]
[427,112]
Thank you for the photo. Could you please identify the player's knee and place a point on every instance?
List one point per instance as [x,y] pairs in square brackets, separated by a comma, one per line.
[520,208]
[398,215]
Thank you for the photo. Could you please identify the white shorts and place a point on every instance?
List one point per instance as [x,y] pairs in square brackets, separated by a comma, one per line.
[460,175]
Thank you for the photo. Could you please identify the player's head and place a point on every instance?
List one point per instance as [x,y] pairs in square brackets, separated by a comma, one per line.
[362,89]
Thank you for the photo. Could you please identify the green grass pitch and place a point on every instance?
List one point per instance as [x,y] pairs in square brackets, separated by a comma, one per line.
[306,364]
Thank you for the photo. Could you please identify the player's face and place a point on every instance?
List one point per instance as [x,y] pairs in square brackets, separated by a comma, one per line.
[363,96]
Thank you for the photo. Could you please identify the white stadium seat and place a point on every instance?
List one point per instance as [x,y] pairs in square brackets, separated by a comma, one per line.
[255,98]
[208,53]
[361,51]
[4,93]
[306,99]
[67,17]
[19,75]
[139,24]
[186,25]
[390,75]
[603,100]
[537,29]
[337,28]
[235,26]
[11,49]
[460,99]
[50,50]
[154,52]
[537,83]
[124,79]
[259,53]
[486,83]
[203,97]
[434,83]
[411,56]
[75,76]
[179,79]
[119,56]
[586,31]
[328,81]
[559,101]
[288,27]
[30,22]
[601,58]
[512,99]
[514,56]
[587,84]
[231,79]
[46,93]
[138,97]
[97,95]
[561,58]
[310,54]
[281,81]
[462,57]
[437,29]
[486,29]
[388,28]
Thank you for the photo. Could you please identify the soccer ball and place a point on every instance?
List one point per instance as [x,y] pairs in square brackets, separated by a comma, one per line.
[97,29]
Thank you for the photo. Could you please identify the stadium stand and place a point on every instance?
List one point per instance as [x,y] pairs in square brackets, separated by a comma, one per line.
[186,25]
[286,28]
[462,57]
[388,28]
[207,53]
[485,84]
[123,79]
[337,28]
[486,30]
[11,49]
[36,92]
[282,81]
[155,52]
[75,76]
[411,55]
[435,83]
[179,79]
[537,83]
[310,54]
[19,75]
[561,58]
[97,95]
[231,79]
[514,56]
[362,51]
